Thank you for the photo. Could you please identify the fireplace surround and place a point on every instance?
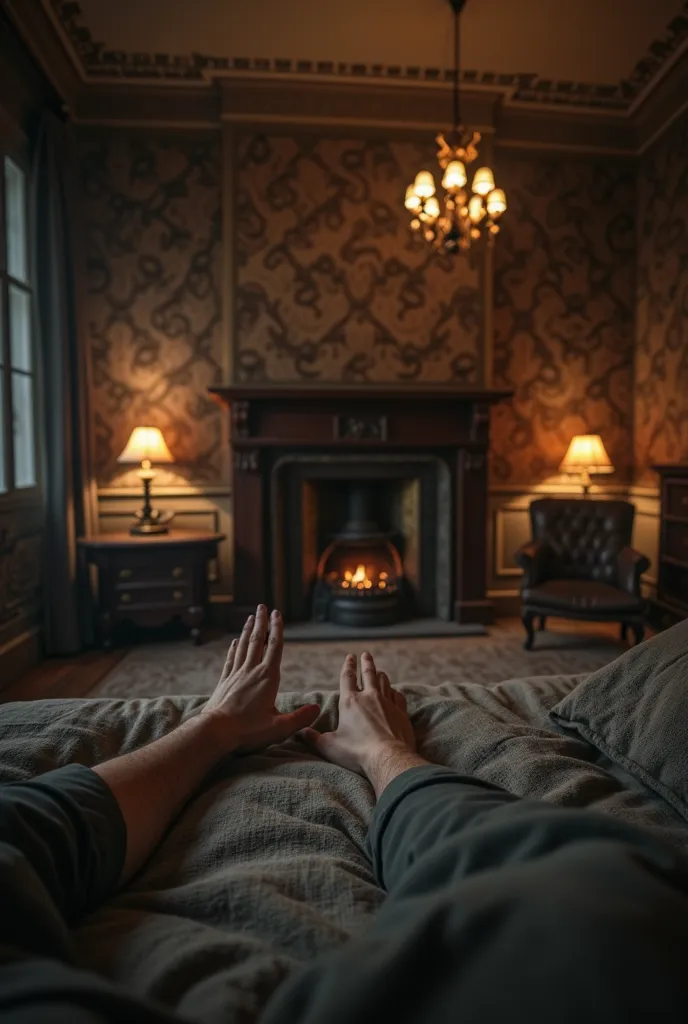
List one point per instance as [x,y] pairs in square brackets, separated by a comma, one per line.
[337,485]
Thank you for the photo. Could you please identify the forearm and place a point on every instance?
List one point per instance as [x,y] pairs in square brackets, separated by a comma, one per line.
[387,761]
[152,785]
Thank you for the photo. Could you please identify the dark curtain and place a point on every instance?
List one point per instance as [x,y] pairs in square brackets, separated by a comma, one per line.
[62,390]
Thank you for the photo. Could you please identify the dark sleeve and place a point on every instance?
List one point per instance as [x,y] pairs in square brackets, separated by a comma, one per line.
[505,909]
[62,848]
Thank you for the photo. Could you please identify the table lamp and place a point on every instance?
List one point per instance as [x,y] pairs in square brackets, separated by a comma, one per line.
[586,454]
[147,445]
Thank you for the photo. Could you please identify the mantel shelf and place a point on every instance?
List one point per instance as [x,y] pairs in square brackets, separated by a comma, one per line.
[356,393]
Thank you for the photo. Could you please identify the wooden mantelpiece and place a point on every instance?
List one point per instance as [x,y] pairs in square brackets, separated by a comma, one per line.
[271,424]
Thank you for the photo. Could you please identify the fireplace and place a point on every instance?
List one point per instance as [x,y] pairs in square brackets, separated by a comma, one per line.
[360,507]
[359,579]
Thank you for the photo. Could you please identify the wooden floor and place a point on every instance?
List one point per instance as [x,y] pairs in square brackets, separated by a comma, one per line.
[59,678]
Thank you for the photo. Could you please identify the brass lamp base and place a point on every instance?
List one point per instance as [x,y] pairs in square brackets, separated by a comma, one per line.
[150,527]
[150,520]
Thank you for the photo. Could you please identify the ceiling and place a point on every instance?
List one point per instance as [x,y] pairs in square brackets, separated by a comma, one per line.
[612,47]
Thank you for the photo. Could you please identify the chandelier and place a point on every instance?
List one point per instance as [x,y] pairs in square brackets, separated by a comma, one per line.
[461,218]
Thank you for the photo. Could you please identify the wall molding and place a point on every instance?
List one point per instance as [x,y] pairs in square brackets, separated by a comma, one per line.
[95,61]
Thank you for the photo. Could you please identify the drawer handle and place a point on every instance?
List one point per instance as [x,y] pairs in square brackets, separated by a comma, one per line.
[178,572]
[125,574]
[178,595]
[125,598]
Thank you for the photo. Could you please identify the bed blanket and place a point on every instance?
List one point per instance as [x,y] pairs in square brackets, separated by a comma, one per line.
[266,867]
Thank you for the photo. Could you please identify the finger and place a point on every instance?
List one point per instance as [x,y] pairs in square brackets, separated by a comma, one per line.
[273,651]
[242,645]
[368,672]
[229,660]
[348,679]
[256,643]
[313,739]
[399,699]
[384,684]
[294,721]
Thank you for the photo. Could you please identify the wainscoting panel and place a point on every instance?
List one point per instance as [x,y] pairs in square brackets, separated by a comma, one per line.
[194,510]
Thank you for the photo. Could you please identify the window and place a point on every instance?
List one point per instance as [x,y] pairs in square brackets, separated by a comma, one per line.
[17,366]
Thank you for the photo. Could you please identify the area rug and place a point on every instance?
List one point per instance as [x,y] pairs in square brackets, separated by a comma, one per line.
[179,668]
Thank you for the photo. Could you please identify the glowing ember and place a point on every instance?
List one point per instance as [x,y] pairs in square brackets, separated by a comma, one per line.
[361,578]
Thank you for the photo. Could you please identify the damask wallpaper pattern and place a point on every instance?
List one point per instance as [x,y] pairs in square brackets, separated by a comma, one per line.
[564,312]
[153,316]
[331,286]
[661,369]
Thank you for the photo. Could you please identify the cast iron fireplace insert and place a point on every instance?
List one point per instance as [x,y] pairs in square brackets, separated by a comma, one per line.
[360,576]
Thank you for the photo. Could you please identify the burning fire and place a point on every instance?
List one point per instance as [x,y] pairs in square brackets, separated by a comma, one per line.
[359,579]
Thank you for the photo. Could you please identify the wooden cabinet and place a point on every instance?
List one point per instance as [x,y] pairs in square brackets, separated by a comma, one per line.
[672,583]
[150,580]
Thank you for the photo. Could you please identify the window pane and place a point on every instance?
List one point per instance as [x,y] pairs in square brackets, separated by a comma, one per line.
[3,472]
[22,420]
[20,329]
[15,218]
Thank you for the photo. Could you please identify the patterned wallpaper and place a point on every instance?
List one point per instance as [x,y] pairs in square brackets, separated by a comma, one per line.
[153,308]
[564,312]
[661,383]
[331,286]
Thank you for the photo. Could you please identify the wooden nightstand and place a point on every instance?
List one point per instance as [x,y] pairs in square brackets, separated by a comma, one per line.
[151,580]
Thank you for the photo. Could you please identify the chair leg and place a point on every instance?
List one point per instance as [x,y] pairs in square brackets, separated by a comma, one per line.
[623,631]
[639,632]
[527,619]
[543,622]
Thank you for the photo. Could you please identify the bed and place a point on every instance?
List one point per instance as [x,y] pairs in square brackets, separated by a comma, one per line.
[266,868]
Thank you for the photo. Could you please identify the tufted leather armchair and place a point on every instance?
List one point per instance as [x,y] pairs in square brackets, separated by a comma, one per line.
[580,565]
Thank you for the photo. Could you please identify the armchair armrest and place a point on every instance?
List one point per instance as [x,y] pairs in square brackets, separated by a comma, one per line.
[630,566]
[533,558]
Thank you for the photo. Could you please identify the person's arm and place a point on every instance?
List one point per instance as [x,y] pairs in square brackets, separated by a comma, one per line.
[498,908]
[152,785]
[69,837]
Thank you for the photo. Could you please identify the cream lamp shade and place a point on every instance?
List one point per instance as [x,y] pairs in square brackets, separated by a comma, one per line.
[146,444]
[586,454]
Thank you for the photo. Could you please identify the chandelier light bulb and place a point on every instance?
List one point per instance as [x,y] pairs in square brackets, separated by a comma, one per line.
[454,176]
[496,202]
[431,209]
[413,201]
[424,185]
[483,182]
[475,209]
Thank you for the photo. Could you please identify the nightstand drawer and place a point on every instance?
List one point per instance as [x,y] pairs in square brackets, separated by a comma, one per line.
[677,499]
[152,569]
[147,595]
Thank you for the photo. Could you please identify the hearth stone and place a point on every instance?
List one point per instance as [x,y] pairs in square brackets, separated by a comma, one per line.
[407,629]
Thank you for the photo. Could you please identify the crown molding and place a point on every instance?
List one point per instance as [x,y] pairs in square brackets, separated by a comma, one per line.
[133,105]
[663,106]
[198,92]
[99,63]
[47,47]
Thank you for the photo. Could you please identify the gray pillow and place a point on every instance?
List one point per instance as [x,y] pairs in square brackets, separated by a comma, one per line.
[636,712]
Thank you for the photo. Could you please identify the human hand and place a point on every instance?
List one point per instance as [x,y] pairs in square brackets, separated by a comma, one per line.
[244,700]
[373,723]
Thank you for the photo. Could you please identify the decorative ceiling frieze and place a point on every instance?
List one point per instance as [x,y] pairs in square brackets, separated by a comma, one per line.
[99,62]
